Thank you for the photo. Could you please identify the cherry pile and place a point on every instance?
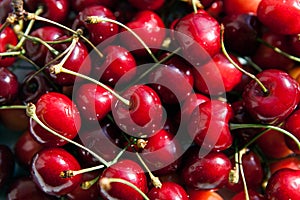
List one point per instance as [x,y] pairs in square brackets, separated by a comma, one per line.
[138,99]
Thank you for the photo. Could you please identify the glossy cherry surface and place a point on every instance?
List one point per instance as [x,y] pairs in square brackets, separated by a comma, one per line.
[292,125]
[79,5]
[7,37]
[146,4]
[9,86]
[292,162]
[203,194]
[283,91]
[127,170]
[7,164]
[253,195]
[47,166]
[239,7]
[60,114]
[168,191]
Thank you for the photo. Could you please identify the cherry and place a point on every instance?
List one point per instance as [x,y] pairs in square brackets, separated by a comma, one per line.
[149,27]
[36,51]
[283,185]
[218,69]
[208,125]
[5,9]
[25,148]
[127,170]
[144,115]
[124,12]
[294,42]
[9,86]
[207,172]
[7,164]
[146,4]
[98,32]
[168,191]
[198,34]
[239,7]
[280,16]
[7,37]
[79,5]
[60,114]
[291,125]
[283,91]
[203,194]
[253,195]
[78,61]
[285,163]
[93,101]
[119,64]
[47,166]
[56,10]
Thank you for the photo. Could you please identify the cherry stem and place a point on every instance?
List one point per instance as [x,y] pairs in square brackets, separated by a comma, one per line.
[13,107]
[12,53]
[276,49]
[105,184]
[155,180]
[235,172]
[194,2]
[31,112]
[250,62]
[281,130]
[115,160]
[240,155]
[71,173]
[98,19]
[265,90]
[87,184]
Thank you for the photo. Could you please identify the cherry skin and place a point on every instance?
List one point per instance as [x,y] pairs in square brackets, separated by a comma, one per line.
[119,63]
[36,51]
[291,125]
[168,191]
[93,101]
[56,10]
[280,16]
[283,92]
[7,37]
[146,4]
[99,32]
[144,115]
[209,125]
[60,114]
[9,86]
[239,7]
[129,171]
[203,194]
[7,164]
[284,185]
[47,166]
[5,9]
[253,195]
[198,34]
[78,61]
[285,163]
[79,5]
[205,172]
[294,43]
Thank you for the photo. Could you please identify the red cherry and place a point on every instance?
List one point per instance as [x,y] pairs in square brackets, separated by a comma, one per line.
[7,164]
[285,163]
[292,125]
[36,51]
[294,43]
[129,171]
[146,4]
[280,16]
[56,10]
[209,125]
[203,194]
[240,7]
[79,5]
[144,115]
[283,92]
[205,172]
[7,37]
[5,9]
[9,86]
[253,195]
[168,191]
[284,185]
[47,166]
[60,114]
[198,34]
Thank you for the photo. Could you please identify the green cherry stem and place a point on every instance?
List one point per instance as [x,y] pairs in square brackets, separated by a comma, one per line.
[265,90]
[13,107]
[97,19]
[70,173]
[105,184]
[240,156]
[87,184]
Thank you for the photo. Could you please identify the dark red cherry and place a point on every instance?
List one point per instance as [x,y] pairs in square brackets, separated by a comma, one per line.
[291,162]
[292,125]
[56,10]
[129,171]
[36,51]
[203,194]
[93,101]
[146,4]
[209,125]
[60,114]
[253,195]
[25,148]
[168,191]
[47,166]
[7,164]
[198,34]
[5,9]
[24,188]
[7,37]
[119,66]
[283,92]
[212,77]
[280,16]
[79,5]
[205,170]
[78,61]
[294,43]
[162,153]
[144,115]
[240,7]
[284,185]
[99,32]
[9,86]
[149,27]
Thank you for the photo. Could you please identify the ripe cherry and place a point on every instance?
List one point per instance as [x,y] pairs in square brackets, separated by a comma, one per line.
[283,91]
[253,195]
[9,86]
[292,125]
[294,43]
[292,162]
[168,191]
[47,166]
[79,5]
[60,114]
[7,37]
[146,4]
[5,9]
[203,194]
[239,7]
[7,164]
